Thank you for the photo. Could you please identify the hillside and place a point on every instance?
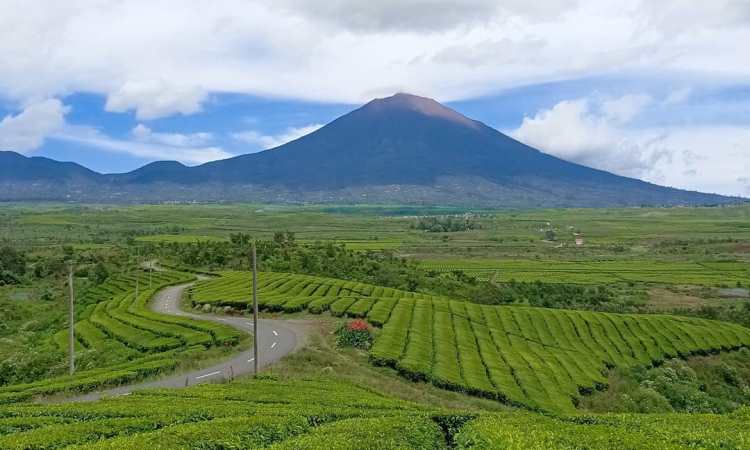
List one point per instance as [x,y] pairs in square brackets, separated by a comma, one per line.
[534,357]
[289,409]
[400,149]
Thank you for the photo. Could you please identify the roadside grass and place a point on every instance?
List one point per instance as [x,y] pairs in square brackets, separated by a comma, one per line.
[322,357]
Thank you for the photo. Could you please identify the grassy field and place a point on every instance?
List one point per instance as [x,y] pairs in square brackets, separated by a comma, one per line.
[536,357]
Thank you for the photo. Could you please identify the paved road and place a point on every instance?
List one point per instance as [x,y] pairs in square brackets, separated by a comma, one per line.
[276,338]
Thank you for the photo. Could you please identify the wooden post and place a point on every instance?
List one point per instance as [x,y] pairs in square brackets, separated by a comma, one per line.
[137,269]
[71,321]
[255,311]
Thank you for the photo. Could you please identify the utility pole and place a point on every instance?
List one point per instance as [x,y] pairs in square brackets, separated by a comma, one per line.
[137,278]
[71,321]
[136,285]
[255,310]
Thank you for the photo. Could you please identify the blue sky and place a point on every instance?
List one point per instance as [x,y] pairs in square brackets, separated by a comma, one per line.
[653,90]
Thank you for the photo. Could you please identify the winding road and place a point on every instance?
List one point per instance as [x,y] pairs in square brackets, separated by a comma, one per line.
[276,339]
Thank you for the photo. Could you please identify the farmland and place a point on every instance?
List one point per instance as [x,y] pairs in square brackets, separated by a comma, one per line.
[620,234]
[179,238]
[489,337]
[712,273]
[326,413]
[534,357]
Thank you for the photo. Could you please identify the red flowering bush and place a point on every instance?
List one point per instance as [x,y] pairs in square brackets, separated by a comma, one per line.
[358,325]
[356,333]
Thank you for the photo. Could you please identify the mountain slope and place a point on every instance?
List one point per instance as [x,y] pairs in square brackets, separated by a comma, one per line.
[400,149]
[399,140]
[16,167]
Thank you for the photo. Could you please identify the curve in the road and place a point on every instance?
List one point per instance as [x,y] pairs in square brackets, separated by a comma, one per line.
[276,339]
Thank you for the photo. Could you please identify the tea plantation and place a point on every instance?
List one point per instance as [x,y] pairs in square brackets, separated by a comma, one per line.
[131,341]
[324,413]
[710,273]
[539,358]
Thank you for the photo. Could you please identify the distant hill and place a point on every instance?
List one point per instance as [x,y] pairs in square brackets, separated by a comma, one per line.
[16,167]
[400,149]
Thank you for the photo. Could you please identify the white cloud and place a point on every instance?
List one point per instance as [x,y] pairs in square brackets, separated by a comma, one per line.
[142,133]
[417,15]
[154,99]
[624,109]
[159,59]
[151,150]
[708,158]
[745,183]
[572,130]
[264,141]
[27,130]
[595,133]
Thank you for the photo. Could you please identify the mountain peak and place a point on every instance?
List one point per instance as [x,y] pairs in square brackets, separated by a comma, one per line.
[422,105]
[165,165]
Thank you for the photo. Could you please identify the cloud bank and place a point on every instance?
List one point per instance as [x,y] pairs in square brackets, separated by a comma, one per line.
[165,57]
[597,133]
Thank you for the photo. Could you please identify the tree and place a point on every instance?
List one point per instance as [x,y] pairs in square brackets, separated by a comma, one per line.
[240,239]
[99,273]
[12,265]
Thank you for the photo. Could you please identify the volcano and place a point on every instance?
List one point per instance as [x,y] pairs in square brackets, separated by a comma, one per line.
[401,149]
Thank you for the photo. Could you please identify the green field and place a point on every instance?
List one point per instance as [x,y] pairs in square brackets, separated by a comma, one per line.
[621,234]
[710,273]
[454,362]
[539,358]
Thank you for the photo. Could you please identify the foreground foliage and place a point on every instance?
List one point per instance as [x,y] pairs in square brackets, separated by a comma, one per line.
[325,413]
[701,384]
[525,431]
[316,413]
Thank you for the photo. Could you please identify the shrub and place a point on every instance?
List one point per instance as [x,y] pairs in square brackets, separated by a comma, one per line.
[355,333]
